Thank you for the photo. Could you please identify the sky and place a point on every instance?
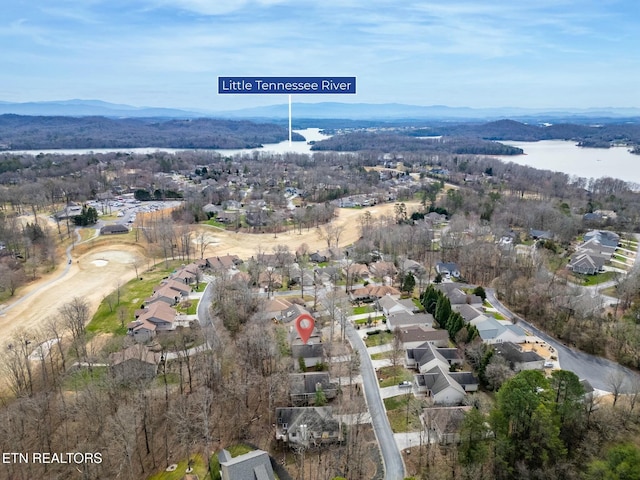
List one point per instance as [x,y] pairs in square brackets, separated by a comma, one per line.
[169,53]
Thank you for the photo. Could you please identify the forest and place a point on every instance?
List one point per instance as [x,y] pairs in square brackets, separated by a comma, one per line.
[389,142]
[28,133]
[479,138]
[591,135]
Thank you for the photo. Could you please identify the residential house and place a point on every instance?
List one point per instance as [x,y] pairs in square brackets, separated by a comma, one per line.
[134,364]
[414,336]
[291,313]
[466,380]
[357,271]
[492,331]
[169,291]
[223,263]
[404,319]
[467,311]
[254,465]
[540,234]
[317,257]
[382,269]
[444,423]
[227,217]
[440,386]
[273,307]
[603,237]
[519,359]
[436,219]
[186,274]
[458,297]
[390,306]
[448,269]
[413,267]
[212,209]
[586,263]
[594,247]
[372,292]
[269,280]
[155,317]
[303,387]
[427,356]
[312,352]
[141,331]
[307,426]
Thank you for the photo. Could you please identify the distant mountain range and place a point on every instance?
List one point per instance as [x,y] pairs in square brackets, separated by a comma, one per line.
[324,110]
[90,108]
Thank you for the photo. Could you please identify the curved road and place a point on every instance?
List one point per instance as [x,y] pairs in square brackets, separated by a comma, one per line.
[598,371]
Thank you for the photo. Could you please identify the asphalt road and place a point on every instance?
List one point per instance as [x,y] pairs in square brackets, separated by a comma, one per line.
[391,457]
[598,371]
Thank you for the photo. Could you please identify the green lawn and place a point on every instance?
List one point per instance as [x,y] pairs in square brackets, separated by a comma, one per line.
[214,223]
[199,468]
[380,356]
[416,302]
[200,287]
[82,377]
[112,317]
[239,449]
[633,246]
[363,321]
[378,339]
[590,280]
[363,309]
[188,307]
[393,375]
[86,233]
[399,412]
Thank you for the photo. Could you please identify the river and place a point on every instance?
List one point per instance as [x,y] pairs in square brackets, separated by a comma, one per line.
[567,157]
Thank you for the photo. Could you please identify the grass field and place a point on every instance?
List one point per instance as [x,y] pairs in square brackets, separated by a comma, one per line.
[391,376]
[404,413]
[188,307]
[112,317]
[81,378]
[378,339]
[363,309]
[590,280]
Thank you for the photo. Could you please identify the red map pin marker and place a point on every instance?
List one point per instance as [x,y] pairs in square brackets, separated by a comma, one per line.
[304,326]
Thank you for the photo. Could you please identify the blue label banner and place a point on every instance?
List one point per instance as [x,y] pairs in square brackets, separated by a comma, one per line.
[287,85]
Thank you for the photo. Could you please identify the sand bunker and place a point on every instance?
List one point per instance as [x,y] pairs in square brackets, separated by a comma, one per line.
[100,263]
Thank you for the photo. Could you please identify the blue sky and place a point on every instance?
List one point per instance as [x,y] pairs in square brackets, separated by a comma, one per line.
[169,53]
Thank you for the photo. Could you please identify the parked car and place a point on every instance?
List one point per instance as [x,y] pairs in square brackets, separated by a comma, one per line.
[405,384]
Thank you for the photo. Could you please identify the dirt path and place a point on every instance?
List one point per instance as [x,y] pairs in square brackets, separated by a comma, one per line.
[95,274]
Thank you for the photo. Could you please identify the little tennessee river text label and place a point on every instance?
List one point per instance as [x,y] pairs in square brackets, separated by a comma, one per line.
[287,85]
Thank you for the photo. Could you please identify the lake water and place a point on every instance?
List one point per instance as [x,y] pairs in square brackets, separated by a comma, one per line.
[556,155]
[310,134]
[565,156]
